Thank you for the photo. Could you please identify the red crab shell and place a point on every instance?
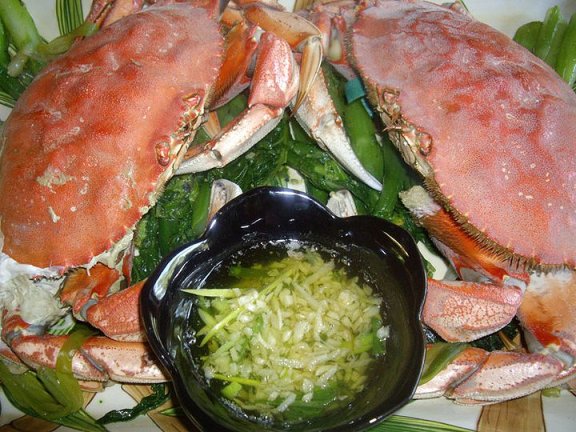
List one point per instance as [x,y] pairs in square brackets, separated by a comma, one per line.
[93,139]
[501,122]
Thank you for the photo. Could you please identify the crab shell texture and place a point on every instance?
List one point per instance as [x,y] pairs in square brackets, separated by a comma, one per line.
[91,142]
[491,127]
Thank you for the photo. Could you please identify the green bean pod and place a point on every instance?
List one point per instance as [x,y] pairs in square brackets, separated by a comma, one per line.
[394,180]
[566,59]
[362,133]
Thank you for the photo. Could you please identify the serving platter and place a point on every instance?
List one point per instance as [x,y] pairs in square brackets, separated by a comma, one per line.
[534,413]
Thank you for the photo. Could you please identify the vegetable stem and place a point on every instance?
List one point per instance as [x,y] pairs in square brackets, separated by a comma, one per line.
[23,33]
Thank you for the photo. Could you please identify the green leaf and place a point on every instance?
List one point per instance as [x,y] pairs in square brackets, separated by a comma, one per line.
[527,35]
[32,396]
[438,356]
[159,395]
[566,60]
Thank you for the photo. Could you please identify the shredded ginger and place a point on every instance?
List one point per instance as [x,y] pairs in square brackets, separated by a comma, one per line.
[304,332]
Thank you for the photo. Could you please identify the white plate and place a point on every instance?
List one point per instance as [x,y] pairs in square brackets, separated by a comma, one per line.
[559,413]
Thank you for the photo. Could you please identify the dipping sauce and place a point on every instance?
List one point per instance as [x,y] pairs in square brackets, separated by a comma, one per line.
[287,333]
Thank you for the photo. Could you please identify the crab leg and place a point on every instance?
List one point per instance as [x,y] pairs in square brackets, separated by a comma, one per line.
[299,33]
[547,315]
[106,12]
[463,310]
[466,311]
[545,309]
[333,21]
[233,78]
[274,85]
[459,369]
[98,359]
[90,294]
[125,359]
[479,377]
[507,375]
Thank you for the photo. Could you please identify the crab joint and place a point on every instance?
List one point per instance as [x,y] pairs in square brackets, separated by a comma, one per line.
[194,103]
[163,153]
[217,155]
[424,141]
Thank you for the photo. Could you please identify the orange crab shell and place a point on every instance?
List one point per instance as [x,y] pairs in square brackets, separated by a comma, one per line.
[92,141]
[496,124]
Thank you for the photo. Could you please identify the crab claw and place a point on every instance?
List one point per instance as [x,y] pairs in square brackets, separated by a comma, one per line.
[90,293]
[476,376]
[466,311]
[270,94]
[106,12]
[319,118]
[299,33]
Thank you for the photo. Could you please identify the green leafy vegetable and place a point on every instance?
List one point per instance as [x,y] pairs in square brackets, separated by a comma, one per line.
[159,396]
[4,44]
[30,51]
[12,87]
[178,216]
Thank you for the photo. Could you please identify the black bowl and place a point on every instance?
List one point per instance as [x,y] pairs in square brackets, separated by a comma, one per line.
[378,251]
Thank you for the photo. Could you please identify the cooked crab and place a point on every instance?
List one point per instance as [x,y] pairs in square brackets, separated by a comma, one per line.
[491,130]
[91,143]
